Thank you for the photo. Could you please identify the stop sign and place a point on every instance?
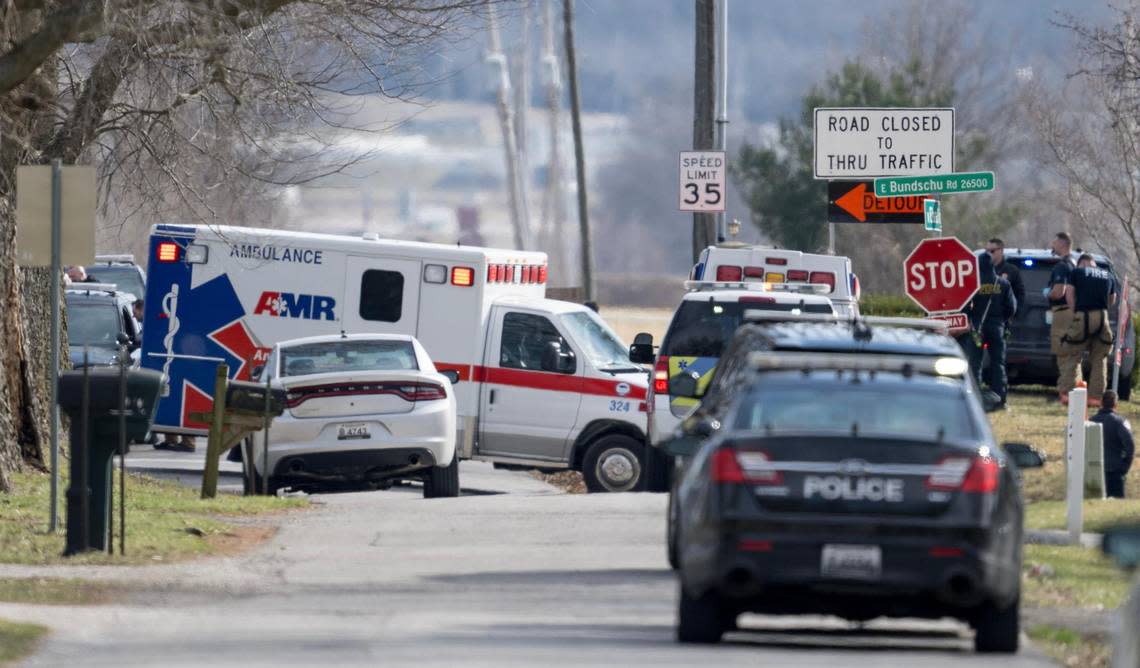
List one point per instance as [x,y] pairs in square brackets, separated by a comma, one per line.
[941,274]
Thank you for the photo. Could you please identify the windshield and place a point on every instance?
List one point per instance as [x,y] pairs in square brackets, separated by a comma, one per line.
[347,356]
[92,324]
[125,277]
[925,409]
[598,342]
[702,328]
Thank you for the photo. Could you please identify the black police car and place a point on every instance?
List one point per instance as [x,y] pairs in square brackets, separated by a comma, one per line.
[852,473]
[1028,356]
[99,318]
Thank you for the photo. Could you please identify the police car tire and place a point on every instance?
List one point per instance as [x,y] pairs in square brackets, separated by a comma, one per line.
[658,468]
[612,442]
[442,482]
[998,631]
[702,619]
[671,530]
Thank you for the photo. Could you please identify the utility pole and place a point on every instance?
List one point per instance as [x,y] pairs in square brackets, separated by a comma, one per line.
[517,195]
[522,104]
[722,113]
[579,154]
[554,209]
[704,104]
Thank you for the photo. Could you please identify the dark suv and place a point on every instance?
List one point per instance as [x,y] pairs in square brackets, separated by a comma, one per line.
[1028,357]
[98,319]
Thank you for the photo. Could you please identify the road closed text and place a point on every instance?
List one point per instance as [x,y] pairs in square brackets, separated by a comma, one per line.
[868,142]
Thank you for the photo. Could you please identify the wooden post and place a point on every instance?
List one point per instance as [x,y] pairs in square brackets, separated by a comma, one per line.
[214,442]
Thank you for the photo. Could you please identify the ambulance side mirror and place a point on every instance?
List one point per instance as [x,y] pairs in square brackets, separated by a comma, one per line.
[641,352]
[555,360]
[1025,456]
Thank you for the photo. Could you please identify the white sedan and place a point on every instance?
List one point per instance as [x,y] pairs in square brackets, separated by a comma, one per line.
[365,408]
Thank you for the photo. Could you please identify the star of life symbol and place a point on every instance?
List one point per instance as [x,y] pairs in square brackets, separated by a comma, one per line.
[683,364]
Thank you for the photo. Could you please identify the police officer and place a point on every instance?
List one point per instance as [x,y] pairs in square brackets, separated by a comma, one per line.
[1118,446]
[1060,314]
[989,313]
[995,248]
[1090,292]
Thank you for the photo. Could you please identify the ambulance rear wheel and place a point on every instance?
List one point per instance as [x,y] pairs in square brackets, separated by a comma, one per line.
[613,464]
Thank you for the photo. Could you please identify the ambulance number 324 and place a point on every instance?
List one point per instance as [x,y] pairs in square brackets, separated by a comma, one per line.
[617,406]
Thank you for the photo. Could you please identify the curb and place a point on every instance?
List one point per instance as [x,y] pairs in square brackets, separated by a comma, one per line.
[1058,537]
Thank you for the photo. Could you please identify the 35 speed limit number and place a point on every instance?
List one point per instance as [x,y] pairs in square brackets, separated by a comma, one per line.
[702,181]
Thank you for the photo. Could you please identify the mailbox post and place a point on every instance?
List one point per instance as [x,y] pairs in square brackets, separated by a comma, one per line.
[91,399]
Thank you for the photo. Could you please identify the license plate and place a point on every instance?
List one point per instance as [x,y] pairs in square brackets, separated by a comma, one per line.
[346,432]
[860,562]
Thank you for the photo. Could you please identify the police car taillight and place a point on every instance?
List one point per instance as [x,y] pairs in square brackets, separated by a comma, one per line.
[823,277]
[661,375]
[725,468]
[167,252]
[978,475]
[729,273]
[746,466]
[982,478]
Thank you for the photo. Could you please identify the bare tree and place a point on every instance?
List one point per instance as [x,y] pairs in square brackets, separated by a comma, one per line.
[182,105]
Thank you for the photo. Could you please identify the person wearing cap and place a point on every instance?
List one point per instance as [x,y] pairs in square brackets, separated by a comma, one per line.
[989,312]
[995,248]
[1060,315]
[1091,290]
[1119,448]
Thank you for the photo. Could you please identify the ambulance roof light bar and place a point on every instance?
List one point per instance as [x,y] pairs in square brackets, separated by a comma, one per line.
[761,286]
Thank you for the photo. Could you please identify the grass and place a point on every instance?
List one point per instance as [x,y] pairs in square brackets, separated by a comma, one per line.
[1035,418]
[1099,515]
[1071,577]
[1070,648]
[18,640]
[165,521]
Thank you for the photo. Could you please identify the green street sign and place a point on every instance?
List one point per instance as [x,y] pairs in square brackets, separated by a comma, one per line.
[932,215]
[944,184]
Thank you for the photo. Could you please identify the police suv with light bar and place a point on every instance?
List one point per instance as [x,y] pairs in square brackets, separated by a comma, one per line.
[850,471]
[542,383]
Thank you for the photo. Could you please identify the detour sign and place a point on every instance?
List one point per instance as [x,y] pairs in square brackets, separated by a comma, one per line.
[941,275]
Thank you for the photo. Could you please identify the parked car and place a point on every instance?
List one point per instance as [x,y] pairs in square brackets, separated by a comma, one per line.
[843,481]
[99,319]
[1028,357]
[1123,544]
[365,408]
[120,270]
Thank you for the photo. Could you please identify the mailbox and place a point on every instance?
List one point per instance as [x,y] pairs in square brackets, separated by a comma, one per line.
[246,397]
[94,444]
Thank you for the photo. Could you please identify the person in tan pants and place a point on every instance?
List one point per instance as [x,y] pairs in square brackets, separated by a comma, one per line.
[1090,292]
[1060,313]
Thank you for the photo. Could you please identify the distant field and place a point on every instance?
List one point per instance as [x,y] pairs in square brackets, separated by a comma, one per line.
[628,321]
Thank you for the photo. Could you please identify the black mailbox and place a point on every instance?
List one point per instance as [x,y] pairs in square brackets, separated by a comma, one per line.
[89,494]
[248,397]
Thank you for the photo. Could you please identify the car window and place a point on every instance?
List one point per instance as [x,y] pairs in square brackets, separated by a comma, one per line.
[918,408]
[598,341]
[125,277]
[347,356]
[92,324]
[525,337]
[702,328]
[381,295]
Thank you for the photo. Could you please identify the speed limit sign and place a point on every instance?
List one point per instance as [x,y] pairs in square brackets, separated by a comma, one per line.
[702,181]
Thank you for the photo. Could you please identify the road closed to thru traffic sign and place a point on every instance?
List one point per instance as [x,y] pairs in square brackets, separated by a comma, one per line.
[941,275]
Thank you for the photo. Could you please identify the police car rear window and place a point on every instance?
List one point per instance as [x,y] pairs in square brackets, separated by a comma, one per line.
[381,295]
[703,328]
[915,409]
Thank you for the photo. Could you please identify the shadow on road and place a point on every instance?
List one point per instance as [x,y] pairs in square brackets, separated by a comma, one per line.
[599,578]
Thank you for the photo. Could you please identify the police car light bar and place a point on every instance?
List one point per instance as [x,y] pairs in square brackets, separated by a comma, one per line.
[108,259]
[758,315]
[761,286]
[904,364]
[97,287]
[916,323]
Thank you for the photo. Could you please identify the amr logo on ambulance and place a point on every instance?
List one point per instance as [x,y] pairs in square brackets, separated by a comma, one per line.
[289,305]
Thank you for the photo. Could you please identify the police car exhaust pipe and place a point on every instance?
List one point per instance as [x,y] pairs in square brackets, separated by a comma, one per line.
[959,588]
[296,466]
[740,580]
[414,460]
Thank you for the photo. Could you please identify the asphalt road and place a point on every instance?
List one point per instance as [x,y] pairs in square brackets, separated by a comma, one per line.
[511,575]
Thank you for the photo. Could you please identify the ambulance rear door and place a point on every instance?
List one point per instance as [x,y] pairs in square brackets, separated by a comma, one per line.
[381,295]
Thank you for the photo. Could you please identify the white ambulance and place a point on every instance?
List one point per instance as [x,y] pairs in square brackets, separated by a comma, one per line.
[739,263]
[542,383]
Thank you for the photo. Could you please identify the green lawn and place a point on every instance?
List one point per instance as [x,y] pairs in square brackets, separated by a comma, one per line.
[1098,515]
[1071,577]
[1070,648]
[165,521]
[18,640]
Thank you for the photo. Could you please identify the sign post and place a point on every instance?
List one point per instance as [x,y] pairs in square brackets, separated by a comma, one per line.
[55,224]
[941,275]
[702,181]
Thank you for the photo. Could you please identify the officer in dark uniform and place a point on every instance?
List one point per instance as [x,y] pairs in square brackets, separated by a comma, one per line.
[995,248]
[1090,292]
[989,311]
[1060,316]
[1119,449]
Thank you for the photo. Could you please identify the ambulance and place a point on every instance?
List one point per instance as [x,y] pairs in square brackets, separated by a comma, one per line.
[542,383]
